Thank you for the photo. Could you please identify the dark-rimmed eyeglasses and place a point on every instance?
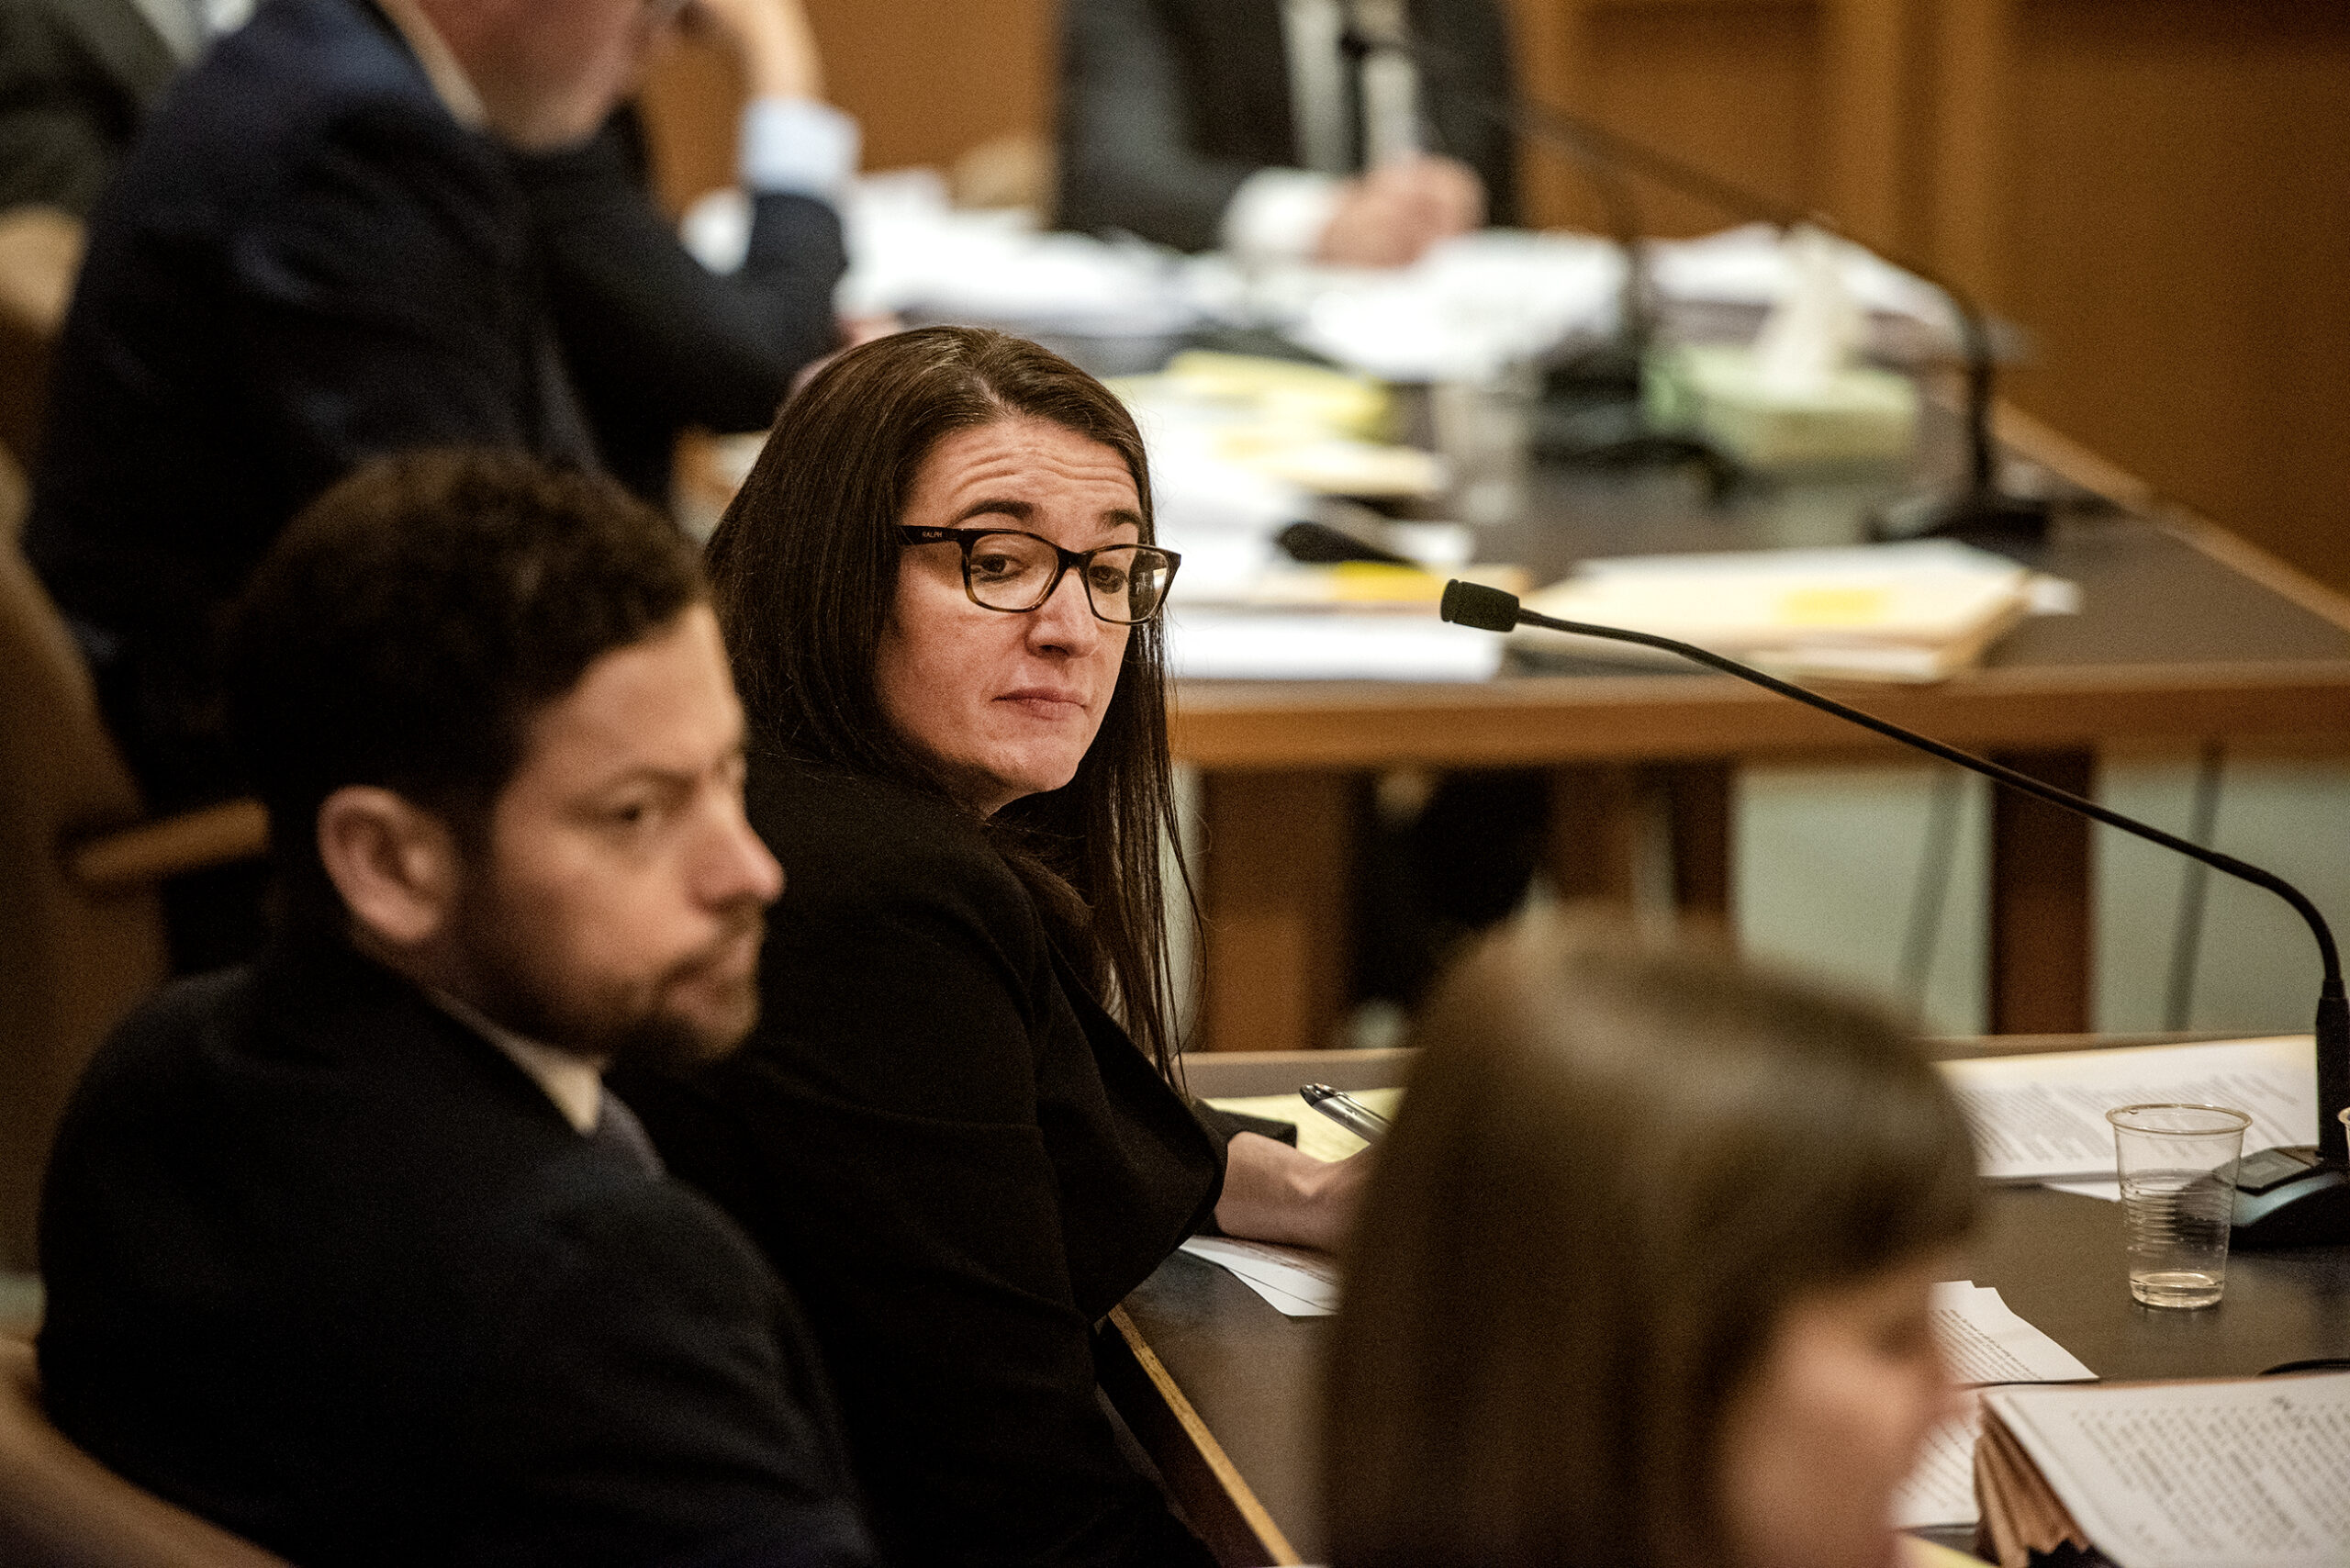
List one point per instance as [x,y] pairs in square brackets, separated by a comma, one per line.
[1005,569]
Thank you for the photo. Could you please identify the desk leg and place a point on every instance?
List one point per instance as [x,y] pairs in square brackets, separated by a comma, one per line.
[2041,896]
[1595,831]
[1601,819]
[1273,892]
[1702,799]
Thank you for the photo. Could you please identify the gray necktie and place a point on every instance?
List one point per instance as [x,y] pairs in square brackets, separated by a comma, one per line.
[619,1131]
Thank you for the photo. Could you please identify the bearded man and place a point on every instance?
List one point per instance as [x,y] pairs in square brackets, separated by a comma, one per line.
[350,1250]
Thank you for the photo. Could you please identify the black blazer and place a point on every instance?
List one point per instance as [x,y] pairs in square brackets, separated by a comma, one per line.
[1167,106]
[958,1162]
[326,1267]
[305,262]
[654,343]
[76,79]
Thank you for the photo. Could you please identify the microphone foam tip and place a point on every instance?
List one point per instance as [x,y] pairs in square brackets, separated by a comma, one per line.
[1474,604]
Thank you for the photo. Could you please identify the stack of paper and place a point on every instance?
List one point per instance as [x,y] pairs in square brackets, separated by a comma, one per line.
[2251,1473]
[2042,1119]
[1919,611]
[1246,644]
[1317,1135]
[1984,1343]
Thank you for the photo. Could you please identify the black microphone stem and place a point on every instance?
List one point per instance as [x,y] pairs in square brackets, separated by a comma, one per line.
[1470,604]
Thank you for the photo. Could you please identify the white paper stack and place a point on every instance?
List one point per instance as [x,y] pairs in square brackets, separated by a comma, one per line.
[1984,1343]
[1914,613]
[2042,1119]
[2248,1473]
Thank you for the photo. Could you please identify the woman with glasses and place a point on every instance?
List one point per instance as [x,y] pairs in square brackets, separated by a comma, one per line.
[953,1130]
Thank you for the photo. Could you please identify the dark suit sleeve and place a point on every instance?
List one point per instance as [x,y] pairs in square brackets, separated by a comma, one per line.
[650,334]
[62,123]
[385,298]
[645,1393]
[1128,158]
[909,1199]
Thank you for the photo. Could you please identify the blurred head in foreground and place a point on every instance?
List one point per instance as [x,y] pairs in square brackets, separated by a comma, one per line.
[488,708]
[1643,1278]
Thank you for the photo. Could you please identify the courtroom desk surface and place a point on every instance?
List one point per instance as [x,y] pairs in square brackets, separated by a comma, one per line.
[2056,1258]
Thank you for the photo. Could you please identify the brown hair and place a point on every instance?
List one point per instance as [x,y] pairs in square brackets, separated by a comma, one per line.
[408,625]
[1616,1166]
[804,567]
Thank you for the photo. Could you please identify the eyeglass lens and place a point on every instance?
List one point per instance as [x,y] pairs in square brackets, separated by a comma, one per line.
[1123,582]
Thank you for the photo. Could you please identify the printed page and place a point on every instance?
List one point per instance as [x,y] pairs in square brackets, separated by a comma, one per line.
[2253,1474]
[1300,1283]
[1941,1490]
[2036,1117]
[1986,1342]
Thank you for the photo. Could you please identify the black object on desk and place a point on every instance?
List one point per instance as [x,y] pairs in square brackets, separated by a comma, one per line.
[2282,1207]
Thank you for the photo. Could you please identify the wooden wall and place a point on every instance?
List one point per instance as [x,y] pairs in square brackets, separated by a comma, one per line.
[2158,190]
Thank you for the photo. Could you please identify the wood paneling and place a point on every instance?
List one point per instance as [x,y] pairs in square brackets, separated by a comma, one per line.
[2041,936]
[927,80]
[2175,234]
[930,79]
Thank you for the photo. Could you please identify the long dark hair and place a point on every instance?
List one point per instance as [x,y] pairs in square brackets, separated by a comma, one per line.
[1616,1166]
[803,570]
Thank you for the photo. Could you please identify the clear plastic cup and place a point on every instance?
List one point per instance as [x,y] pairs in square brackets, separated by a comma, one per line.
[2178,1165]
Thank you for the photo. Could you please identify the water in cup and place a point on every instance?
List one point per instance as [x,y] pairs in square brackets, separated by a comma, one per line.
[2178,1165]
[2176,1225]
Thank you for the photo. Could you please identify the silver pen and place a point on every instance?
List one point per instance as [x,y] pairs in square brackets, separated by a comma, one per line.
[1347,1111]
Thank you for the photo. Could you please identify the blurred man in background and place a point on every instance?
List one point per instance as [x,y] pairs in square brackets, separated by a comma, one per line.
[1260,125]
[655,340]
[344,233]
[318,251]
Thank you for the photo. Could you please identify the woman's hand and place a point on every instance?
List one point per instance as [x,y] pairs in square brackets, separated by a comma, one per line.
[1274,1193]
[778,47]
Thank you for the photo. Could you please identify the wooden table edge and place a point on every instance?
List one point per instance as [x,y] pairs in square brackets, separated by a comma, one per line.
[1219,1502]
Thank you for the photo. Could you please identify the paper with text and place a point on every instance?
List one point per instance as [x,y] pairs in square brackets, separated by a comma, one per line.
[1941,1489]
[2036,1117]
[1984,1342]
[1301,1283]
[2251,1474]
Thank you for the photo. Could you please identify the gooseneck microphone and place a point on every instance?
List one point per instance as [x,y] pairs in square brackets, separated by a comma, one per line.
[1982,511]
[2286,1197]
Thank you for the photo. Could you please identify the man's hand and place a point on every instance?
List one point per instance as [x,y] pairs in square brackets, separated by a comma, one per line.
[1390,217]
[778,47]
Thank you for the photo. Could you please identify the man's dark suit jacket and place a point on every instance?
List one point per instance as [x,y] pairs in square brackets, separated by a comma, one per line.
[324,1266]
[305,262]
[1167,106]
[77,78]
[654,341]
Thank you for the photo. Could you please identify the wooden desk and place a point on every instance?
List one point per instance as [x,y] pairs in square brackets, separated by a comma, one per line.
[1221,1387]
[2186,635]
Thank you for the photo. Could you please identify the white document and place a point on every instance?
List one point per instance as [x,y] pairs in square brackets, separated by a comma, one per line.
[2042,1117]
[2198,1475]
[1941,1490]
[1300,1283]
[1242,645]
[1986,1342]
